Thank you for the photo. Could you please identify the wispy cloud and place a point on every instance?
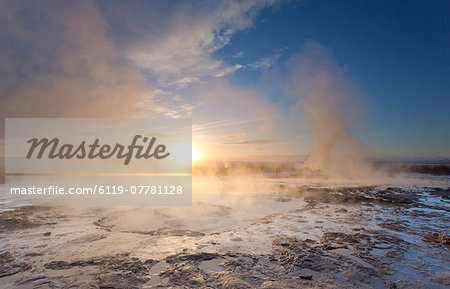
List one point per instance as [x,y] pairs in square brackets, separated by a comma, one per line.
[228,136]
[253,142]
[79,51]
[266,62]
[229,70]
[209,127]
[181,53]
[239,54]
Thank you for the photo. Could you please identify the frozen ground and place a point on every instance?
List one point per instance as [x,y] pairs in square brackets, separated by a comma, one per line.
[272,232]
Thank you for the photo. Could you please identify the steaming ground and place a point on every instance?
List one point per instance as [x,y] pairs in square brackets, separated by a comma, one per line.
[261,232]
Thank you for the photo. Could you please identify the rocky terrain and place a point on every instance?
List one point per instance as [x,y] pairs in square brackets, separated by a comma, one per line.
[291,236]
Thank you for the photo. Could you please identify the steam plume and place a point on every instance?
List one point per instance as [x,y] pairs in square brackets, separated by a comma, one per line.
[329,102]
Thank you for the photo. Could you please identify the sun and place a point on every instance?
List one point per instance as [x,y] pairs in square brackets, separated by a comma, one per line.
[185,154]
[195,155]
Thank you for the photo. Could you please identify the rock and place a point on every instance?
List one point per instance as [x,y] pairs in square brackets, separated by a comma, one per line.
[437,238]
[397,226]
[333,240]
[46,234]
[20,218]
[10,265]
[443,278]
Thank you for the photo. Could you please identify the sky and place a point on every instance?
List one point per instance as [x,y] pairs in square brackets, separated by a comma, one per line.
[259,78]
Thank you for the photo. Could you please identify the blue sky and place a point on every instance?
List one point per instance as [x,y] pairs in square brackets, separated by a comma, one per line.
[252,74]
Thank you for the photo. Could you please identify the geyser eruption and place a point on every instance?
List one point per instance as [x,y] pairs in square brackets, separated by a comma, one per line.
[336,152]
[330,103]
